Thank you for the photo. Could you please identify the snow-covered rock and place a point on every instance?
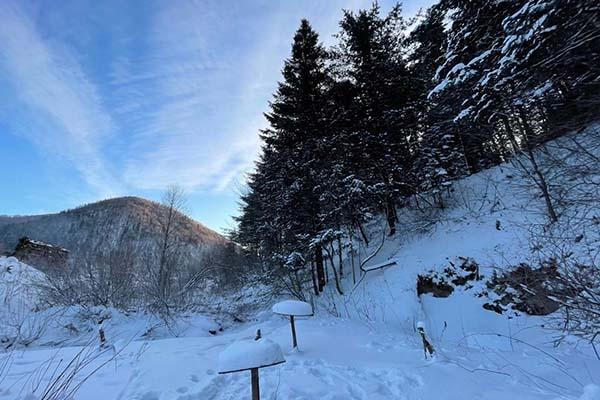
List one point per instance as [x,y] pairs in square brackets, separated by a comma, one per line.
[249,354]
[293,307]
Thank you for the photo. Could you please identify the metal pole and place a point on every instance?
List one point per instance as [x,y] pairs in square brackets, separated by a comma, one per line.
[294,341]
[255,388]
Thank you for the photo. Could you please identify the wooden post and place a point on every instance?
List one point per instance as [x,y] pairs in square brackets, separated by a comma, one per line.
[255,387]
[294,341]
[427,346]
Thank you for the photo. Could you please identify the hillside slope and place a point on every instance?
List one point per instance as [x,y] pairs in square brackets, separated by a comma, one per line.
[363,345]
[496,219]
[103,225]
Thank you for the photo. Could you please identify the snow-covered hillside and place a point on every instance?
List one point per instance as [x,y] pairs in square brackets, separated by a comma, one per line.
[364,344]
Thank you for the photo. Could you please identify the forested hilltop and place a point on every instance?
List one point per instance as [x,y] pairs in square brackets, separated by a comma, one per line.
[399,109]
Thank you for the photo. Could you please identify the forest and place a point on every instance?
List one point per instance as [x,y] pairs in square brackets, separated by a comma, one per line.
[398,109]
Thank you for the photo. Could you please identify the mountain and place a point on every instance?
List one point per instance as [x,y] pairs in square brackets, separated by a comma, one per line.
[106,225]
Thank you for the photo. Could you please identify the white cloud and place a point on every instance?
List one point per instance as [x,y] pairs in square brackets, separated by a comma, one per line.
[47,77]
[214,67]
[183,99]
[193,136]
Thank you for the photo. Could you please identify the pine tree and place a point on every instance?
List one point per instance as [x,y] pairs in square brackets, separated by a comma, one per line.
[439,152]
[475,32]
[283,194]
[371,50]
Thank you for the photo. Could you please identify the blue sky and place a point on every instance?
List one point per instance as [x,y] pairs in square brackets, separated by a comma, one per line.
[108,98]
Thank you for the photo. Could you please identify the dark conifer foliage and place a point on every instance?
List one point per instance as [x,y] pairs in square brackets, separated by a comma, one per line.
[398,109]
[281,213]
[371,49]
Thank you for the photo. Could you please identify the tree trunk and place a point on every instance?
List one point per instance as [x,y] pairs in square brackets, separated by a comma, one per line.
[314,278]
[337,280]
[542,184]
[391,214]
[341,264]
[326,270]
[335,274]
[362,233]
[541,179]
[320,269]
[352,260]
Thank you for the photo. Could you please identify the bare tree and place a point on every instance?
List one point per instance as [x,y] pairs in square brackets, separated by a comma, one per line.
[169,242]
[108,279]
[176,277]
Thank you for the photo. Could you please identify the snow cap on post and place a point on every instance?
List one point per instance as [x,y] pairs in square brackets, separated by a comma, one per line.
[249,354]
[293,308]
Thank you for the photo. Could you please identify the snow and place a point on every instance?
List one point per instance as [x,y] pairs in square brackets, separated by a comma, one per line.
[293,307]
[340,359]
[463,114]
[372,267]
[250,354]
[440,87]
[39,243]
[541,91]
[18,297]
[590,392]
[479,58]
[360,346]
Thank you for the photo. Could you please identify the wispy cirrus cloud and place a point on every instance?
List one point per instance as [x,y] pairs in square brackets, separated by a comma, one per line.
[192,136]
[134,96]
[214,66]
[66,115]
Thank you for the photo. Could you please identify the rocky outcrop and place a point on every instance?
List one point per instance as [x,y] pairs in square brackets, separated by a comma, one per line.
[442,284]
[524,289]
[44,256]
[520,289]
[436,287]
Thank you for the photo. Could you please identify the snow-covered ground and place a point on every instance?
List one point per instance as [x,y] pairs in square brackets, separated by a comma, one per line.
[363,345]
[337,359]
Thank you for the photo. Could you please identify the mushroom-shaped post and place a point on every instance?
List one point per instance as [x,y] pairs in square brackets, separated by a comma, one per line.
[293,308]
[250,355]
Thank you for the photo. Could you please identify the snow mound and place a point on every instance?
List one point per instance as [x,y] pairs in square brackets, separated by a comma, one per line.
[293,307]
[17,284]
[19,287]
[249,354]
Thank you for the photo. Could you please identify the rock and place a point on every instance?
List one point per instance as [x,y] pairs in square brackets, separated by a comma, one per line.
[537,304]
[44,256]
[426,284]
[493,307]
[525,289]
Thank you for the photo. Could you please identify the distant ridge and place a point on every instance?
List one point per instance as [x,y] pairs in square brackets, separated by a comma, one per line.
[105,225]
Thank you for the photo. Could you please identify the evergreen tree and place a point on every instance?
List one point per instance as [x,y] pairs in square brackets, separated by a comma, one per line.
[283,192]
[358,130]
[475,32]
[439,153]
[371,50]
